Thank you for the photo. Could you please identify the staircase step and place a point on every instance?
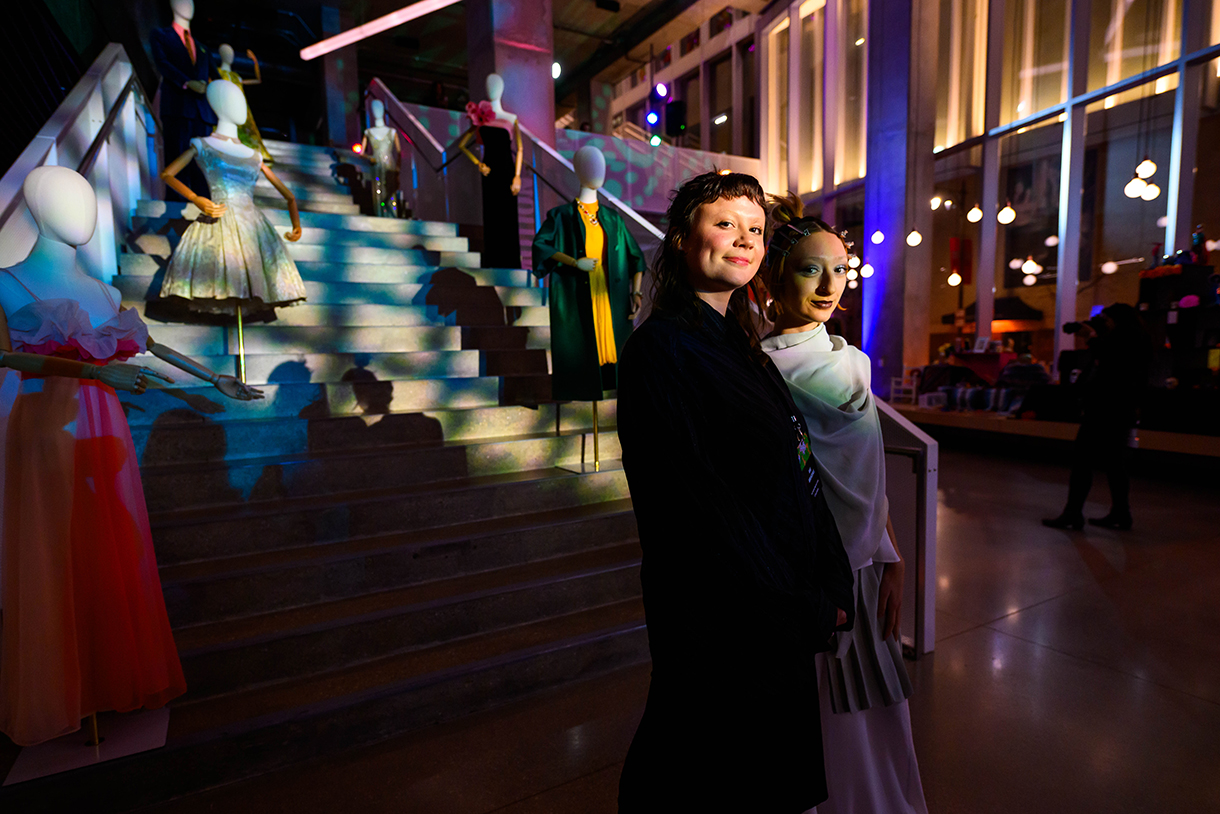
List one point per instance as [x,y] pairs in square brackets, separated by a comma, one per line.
[254,595]
[188,535]
[164,211]
[198,438]
[383,257]
[138,288]
[222,483]
[324,207]
[359,315]
[267,195]
[341,634]
[225,739]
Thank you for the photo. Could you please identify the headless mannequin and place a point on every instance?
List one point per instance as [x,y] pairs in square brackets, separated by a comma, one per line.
[65,209]
[495,95]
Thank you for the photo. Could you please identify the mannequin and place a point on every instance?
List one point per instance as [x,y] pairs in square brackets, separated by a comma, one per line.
[381,147]
[85,626]
[248,132]
[231,259]
[489,125]
[185,67]
[596,271]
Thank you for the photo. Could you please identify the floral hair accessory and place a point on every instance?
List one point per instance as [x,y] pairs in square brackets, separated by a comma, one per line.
[481,113]
[787,235]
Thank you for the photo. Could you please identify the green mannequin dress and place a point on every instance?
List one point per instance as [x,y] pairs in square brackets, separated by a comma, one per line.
[576,375]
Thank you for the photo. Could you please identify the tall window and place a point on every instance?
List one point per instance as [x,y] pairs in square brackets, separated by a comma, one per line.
[1035,57]
[813,26]
[961,71]
[777,128]
[692,138]
[749,86]
[720,140]
[1128,37]
[853,112]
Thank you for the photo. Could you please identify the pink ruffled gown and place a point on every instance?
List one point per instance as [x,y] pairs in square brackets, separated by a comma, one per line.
[85,628]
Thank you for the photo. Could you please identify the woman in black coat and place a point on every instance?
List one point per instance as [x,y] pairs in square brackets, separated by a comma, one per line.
[744,573]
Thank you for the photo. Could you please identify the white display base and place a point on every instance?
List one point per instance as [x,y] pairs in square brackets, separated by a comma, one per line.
[586,468]
[122,734]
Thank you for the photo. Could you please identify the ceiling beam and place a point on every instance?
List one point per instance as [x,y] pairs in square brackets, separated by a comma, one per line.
[642,25]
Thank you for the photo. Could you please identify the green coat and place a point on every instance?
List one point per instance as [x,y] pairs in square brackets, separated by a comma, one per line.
[576,375]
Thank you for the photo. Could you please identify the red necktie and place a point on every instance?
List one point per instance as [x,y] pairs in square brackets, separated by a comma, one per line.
[190,43]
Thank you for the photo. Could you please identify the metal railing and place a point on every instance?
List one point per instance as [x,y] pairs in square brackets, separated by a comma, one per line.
[105,130]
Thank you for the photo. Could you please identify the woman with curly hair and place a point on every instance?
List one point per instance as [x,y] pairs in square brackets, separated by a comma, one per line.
[862,683]
[744,574]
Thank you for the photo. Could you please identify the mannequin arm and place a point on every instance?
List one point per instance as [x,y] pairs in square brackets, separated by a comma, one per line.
[228,385]
[516,187]
[132,378]
[168,175]
[462,142]
[637,293]
[258,76]
[584,263]
[364,147]
[295,234]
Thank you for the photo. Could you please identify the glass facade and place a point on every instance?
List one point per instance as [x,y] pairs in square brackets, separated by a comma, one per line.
[777,70]
[852,110]
[813,26]
[1034,75]
[961,85]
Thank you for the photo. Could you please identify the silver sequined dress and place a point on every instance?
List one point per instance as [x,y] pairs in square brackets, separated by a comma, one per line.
[238,258]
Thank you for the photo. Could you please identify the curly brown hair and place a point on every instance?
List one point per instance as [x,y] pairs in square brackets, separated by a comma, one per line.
[672,291]
[787,225]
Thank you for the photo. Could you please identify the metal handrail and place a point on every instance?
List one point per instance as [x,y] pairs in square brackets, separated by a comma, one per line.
[90,156]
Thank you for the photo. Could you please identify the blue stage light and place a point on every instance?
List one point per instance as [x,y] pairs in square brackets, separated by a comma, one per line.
[652,117]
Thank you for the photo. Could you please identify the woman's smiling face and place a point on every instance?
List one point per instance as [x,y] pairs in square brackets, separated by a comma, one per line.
[815,276]
[725,246]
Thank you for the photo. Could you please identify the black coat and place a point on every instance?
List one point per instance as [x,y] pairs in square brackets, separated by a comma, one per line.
[174,63]
[743,572]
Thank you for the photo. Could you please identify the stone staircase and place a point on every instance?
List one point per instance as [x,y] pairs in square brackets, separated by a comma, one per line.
[390,538]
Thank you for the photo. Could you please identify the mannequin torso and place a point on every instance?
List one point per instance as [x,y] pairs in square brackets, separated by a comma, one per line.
[50,272]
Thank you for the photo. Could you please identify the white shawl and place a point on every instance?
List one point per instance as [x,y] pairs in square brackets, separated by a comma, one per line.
[830,380]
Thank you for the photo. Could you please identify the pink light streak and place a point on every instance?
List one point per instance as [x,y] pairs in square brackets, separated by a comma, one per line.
[360,32]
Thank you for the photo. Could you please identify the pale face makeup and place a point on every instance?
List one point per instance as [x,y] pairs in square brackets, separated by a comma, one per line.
[815,277]
[724,248]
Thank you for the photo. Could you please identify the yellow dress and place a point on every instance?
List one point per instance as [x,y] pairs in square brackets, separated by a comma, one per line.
[248,132]
[603,317]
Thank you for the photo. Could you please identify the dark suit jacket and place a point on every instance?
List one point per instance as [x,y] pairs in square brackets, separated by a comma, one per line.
[174,63]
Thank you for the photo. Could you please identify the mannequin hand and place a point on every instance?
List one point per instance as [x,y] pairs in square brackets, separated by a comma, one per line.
[889,599]
[250,54]
[132,378]
[212,210]
[586,264]
[197,85]
[483,168]
[294,235]
[516,187]
[637,302]
[234,389]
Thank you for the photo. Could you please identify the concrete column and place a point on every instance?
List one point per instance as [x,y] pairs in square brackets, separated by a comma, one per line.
[1183,162]
[737,89]
[514,38]
[795,102]
[985,267]
[339,83]
[898,185]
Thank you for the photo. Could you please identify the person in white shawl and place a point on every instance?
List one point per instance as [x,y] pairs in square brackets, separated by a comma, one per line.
[862,684]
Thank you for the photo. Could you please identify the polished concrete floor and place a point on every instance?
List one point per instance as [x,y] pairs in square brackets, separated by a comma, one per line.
[1073,672]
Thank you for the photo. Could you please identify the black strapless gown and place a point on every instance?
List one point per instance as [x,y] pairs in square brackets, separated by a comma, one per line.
[501,232]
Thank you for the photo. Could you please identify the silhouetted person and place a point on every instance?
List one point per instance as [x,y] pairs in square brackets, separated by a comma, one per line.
[1110,385]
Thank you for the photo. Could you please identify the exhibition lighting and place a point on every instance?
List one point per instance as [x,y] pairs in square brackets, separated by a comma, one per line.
[936,202]
[357,148]
[853,284]
[877,238]
[1006,215]
[1052,241]
[1015,263]
[1030,267]
[726,172]
[854,262]
[1135,187]
[860,42]
[391,20]
[974,215]
[721,119]
[655,141]
[1029,279]
[914,238]
[1212,245]
[661,90]
[652,117]
[1151,191]
[1162,222]
[852,274]
[866,270]
[954,280]
[1109,267]
[1146,168]
[948,204]
[556,70]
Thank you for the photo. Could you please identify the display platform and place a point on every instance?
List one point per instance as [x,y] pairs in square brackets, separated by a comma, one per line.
[121,735]
[1156,440]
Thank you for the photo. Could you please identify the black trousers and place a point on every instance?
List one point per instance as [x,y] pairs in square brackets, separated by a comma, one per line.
[177,134]
[1104,445]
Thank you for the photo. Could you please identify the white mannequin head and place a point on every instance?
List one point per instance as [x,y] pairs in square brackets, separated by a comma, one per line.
[226,54]
[590,167]
[495,87]
[183,9]
[62,203]
[228,101]
[378,110]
